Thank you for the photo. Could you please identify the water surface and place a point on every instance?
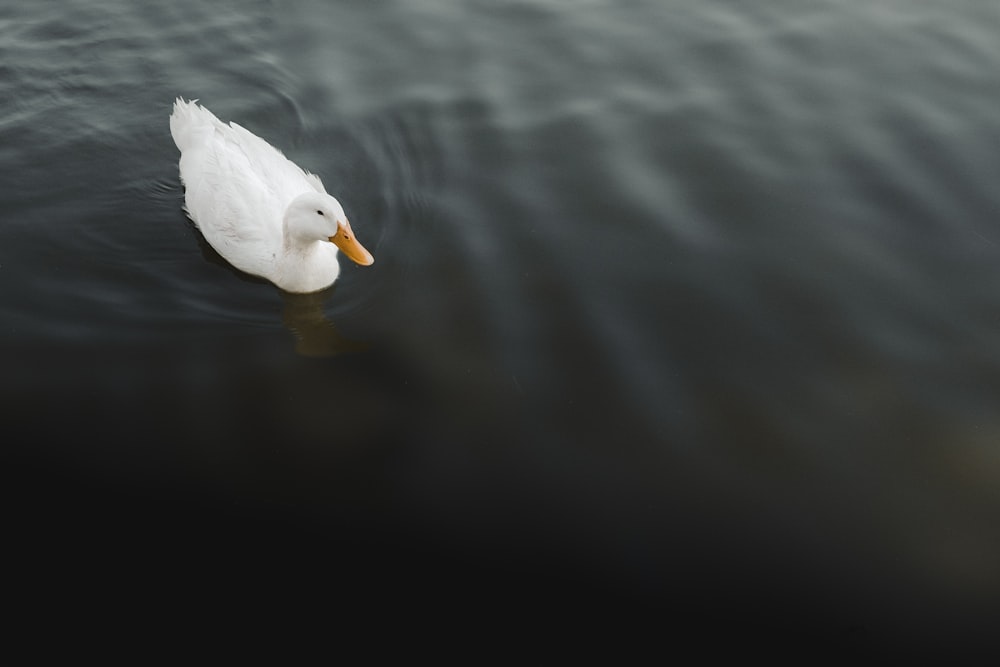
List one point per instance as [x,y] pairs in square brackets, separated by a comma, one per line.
[679,308]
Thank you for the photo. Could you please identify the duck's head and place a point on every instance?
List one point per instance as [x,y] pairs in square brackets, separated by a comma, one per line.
[314,216]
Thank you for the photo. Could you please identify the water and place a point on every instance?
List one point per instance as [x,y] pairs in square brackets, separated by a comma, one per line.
[686,309]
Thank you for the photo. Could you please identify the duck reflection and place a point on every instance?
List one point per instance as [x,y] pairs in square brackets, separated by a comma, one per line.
[315,335]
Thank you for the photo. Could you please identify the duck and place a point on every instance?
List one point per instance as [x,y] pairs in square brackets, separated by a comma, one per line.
[260,211]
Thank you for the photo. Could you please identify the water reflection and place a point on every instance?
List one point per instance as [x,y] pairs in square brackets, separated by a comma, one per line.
[315,335]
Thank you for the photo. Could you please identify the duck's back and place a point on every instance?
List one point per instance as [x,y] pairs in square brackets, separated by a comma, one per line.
[237,186]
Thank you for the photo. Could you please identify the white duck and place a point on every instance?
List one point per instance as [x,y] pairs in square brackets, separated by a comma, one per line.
[258,209]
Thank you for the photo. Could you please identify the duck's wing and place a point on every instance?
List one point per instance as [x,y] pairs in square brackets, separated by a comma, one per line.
[287,178]
[314,181]
[235,209]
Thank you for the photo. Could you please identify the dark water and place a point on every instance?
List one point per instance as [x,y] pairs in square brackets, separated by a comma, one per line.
[682,311]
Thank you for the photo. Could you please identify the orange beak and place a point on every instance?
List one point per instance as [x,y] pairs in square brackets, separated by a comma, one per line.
[345,240]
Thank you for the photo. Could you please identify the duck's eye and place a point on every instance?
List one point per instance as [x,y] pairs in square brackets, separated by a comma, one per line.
[319,212]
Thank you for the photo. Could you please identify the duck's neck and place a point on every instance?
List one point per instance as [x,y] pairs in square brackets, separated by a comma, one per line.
[296,244]
[307,266]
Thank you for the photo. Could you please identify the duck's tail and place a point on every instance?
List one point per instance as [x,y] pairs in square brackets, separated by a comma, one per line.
[190,120]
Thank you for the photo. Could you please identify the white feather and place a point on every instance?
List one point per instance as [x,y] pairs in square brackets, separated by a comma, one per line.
[260,211]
